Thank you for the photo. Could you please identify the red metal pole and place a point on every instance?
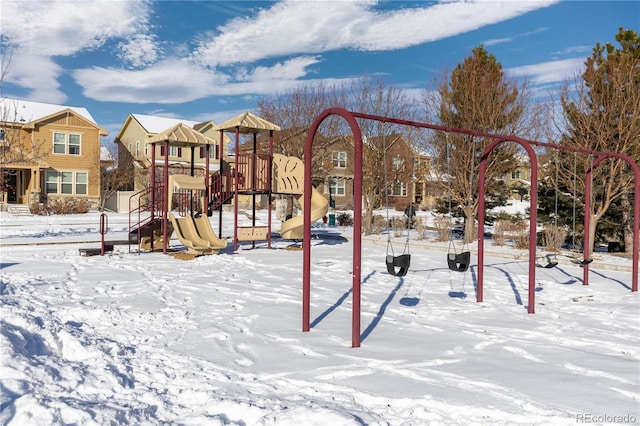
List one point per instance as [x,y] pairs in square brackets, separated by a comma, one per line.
[306,214]
[270,183]
[481,191]
[357,223]
[532,219]
[235,193]
[586,241]
[165,198]
[103,230]
[153,194]
[220,155]
[207,180]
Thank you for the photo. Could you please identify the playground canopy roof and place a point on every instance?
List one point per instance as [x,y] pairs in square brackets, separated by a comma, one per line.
[247,123]
[182,135]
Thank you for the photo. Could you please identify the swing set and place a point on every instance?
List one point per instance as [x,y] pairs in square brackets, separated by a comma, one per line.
[397,266]
[581,262]
[350,117]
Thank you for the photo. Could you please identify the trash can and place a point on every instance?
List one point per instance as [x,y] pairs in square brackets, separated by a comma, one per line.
[332,219]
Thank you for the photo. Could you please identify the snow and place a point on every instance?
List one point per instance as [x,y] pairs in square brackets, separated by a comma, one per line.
[149,338]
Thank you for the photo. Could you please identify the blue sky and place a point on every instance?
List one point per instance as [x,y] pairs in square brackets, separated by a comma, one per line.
[211,60]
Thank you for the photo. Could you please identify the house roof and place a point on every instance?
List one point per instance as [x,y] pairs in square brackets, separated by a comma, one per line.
[181,135]
[29,112]
[155,124]
[247,123]
[105,155]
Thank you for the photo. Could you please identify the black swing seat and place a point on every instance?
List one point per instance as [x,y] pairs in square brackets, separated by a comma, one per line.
[459,262]
[581,262]
[548,265]
[398,265]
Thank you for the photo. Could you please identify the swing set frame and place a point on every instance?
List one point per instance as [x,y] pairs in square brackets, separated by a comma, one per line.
[350,118]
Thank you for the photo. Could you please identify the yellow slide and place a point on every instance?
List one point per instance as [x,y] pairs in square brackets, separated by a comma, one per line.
[293,229]
[205,231]
[195,234]
[186,232]
[288,177]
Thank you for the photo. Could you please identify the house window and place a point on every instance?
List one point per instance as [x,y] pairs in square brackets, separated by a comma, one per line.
[339,160]
[59,143]
[137,148]
[173,151]
[64,143]
[74,144]
[81,183]
[515,174]
[337,186]
[399,189]
[66,182]
[398,164]
[213,152]
[146,150]
[51,183]
[2,134]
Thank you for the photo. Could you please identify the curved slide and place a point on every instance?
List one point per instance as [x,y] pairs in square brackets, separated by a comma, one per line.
[293,229]
[288,176]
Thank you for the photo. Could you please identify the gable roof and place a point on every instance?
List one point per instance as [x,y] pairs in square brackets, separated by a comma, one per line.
[25,112]
[247,123]
[155,124]
[182,135]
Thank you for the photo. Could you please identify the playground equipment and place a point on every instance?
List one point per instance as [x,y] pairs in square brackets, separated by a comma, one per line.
[528,145]
[396,265]
[288,178]
[458,262]
[253,174]
[193,230]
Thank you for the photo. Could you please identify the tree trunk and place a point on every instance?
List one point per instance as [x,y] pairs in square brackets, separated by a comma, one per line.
[593,224]
[368,215]
[627,225]
[469,224]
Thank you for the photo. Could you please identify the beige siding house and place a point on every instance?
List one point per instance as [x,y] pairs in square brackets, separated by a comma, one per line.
[48,152]
[134,148]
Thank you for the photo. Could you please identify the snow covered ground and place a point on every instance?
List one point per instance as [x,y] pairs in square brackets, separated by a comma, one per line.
[150,339]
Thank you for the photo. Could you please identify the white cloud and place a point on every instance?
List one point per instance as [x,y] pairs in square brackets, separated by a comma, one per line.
[549,72]
[140,50]
[513,37]
[179,81]
[294,27]
[292,32]
[39,31]
[40,73]
[170,81]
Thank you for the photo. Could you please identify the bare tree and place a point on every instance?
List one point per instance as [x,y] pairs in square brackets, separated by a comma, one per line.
[476,95]
[115,175]
[378,98]
[295,111]
[601,111]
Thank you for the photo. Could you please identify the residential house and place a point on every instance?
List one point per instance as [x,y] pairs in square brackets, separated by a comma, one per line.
[426,192]
[48,152]
[519,179]
[399,171]
[134,149]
